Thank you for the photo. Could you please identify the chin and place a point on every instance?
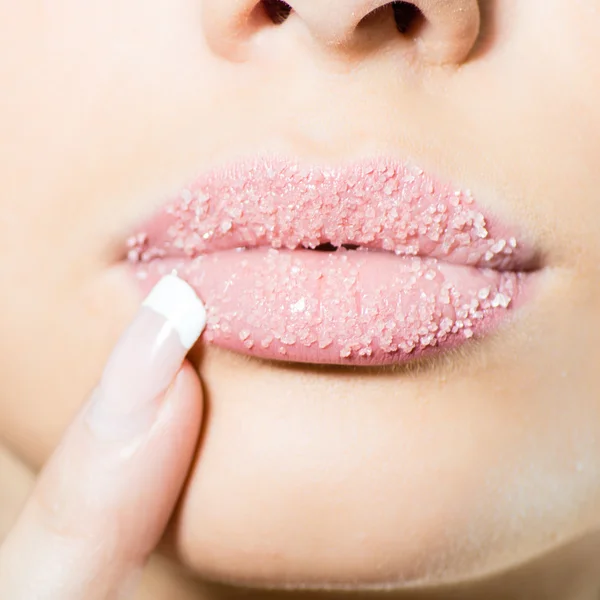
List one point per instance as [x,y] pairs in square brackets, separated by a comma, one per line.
[299,483]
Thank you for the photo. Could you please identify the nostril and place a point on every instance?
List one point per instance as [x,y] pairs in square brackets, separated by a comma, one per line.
[277,10]
[406,15]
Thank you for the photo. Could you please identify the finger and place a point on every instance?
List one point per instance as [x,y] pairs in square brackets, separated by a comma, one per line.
[102,502]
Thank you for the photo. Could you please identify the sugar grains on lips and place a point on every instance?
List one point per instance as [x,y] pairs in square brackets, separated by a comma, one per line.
[417,267]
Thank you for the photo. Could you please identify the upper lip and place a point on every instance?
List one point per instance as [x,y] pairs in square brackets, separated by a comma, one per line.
[373,205]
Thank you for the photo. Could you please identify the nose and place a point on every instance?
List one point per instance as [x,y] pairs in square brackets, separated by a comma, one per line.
[440,31]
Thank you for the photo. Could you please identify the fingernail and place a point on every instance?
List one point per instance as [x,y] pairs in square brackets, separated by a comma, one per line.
[146,360]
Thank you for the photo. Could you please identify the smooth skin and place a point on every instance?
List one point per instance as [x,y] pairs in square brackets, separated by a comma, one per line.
[477,475]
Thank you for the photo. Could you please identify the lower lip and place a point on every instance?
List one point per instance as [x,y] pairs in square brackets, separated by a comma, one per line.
[346,307]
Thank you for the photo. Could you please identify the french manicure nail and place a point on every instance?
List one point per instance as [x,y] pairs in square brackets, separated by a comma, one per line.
[146,359]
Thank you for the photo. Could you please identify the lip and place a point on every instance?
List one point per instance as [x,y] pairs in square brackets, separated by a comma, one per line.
[419,268]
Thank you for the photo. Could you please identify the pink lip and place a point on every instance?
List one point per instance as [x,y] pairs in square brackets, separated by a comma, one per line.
[419,268]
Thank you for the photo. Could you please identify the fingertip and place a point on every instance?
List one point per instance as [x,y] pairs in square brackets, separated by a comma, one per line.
[145,361]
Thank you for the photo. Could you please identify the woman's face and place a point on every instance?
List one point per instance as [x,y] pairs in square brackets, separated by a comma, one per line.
[477,459]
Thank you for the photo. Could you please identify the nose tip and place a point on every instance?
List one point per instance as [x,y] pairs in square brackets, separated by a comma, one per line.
[447,33]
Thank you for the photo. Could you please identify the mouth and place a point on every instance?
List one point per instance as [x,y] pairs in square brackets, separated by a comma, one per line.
[375,263]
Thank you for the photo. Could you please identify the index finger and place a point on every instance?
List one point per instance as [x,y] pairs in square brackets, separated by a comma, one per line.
[104,498]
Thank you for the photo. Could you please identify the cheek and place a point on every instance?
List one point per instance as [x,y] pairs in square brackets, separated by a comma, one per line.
[75,164]
[531,109]
[58,328]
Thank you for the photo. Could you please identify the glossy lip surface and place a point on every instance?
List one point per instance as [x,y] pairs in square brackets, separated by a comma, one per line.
[367,264]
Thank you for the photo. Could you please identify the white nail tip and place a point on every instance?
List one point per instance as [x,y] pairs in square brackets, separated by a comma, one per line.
[175,300]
